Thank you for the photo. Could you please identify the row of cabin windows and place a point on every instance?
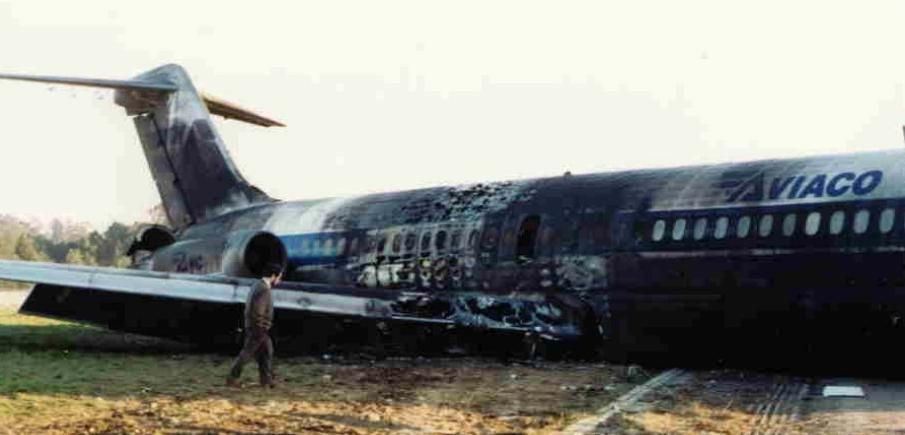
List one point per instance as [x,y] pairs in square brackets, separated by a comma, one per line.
[332,246]
[441,241]
[767,224]
[399,242]
[327,247]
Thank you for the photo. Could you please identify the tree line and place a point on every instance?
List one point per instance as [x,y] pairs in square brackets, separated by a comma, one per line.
[65,242]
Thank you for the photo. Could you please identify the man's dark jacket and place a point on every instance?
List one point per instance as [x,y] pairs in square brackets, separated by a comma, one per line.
[259,307]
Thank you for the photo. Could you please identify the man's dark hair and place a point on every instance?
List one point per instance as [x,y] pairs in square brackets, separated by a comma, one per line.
[271,269]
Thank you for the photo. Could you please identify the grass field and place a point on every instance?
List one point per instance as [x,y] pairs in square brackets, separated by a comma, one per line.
[59,377]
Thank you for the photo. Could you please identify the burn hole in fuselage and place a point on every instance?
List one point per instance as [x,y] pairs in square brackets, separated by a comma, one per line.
[527,237]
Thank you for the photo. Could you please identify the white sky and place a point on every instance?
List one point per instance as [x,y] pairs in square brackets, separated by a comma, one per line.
[389,95]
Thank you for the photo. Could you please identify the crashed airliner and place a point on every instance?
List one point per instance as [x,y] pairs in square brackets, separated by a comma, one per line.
[761,258]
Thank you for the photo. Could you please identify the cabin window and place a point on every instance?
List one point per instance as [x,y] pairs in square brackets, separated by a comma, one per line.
[306,247]
[788,224]
[862,219]
[700,226]
[440,241]
[316,248]
[659,229]
[472,238]
[887,218]
[381,245]
[743,227]
[490,238]
[410,240]
[341,246]
[766,225]
[812,223]
[527,235]
[328,247]
[678,229]
[397,243]
[722,226]
[837,222]
[353,246]
[426,242]
[456,239]
[547,236]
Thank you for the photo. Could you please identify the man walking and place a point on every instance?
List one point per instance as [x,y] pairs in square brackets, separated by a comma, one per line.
[258,320]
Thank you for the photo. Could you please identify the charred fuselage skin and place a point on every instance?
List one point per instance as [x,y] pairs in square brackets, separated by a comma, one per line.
[686,261]
[773,258]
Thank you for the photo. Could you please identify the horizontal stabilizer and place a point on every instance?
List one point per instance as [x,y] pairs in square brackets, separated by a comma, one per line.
[231,111]
[136,85]
[214,105]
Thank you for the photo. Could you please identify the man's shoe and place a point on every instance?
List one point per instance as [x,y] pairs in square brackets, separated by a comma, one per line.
[268,383]
[233,382]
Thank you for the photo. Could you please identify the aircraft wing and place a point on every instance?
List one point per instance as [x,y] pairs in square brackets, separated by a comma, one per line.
[205,308]
[208,308]
[201,288]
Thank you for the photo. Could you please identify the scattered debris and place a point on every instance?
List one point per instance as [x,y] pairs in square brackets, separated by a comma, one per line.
[842,391]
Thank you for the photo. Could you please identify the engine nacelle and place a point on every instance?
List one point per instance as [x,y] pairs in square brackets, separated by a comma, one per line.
[151,238]
[240,254]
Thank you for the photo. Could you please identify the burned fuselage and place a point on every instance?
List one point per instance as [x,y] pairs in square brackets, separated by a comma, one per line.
[687,260]
[760,258]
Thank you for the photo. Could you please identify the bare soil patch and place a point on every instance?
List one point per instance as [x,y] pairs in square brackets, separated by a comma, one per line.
[58,377]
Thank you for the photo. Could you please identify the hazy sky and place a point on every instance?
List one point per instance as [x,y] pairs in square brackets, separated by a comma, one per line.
[390,95]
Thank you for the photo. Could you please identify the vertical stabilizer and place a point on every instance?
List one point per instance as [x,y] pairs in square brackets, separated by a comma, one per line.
[195,176]
[194,173]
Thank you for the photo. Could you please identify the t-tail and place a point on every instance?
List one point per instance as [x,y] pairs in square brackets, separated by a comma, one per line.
[194,173]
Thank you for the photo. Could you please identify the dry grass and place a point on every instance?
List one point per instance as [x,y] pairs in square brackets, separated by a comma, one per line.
[57,377]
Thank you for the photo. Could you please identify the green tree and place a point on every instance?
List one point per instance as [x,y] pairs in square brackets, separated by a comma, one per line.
[75,256]
[114,243]
[27,250]
[10,230]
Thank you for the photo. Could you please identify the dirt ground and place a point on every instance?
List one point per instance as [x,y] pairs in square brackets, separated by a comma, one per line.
[10,299]
[744,402]
[882,411]
[58,377]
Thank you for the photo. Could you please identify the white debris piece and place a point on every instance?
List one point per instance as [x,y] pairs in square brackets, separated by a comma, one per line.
[842,391]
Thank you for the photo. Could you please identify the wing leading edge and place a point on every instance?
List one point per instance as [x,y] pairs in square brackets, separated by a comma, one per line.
[206,288]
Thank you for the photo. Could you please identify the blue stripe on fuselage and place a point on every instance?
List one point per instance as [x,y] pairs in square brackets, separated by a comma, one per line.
[316,248]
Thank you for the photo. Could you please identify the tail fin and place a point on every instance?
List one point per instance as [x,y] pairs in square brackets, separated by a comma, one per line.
[194,173]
